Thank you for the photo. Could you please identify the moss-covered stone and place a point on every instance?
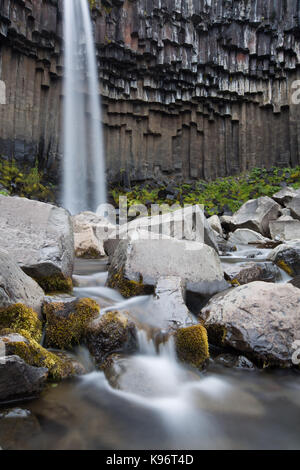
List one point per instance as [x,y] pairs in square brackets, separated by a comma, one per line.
[55,283]
[35,355]
[127,287]
[283,265]
[19,318]
[111,333]
[192,345]
[216,334]
[67,322]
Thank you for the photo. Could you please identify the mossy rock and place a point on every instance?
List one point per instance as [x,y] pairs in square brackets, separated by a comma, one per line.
[127,287]
[111,333]
[55,283]
[66,323]
[192,345]
[19,318]
[35,355]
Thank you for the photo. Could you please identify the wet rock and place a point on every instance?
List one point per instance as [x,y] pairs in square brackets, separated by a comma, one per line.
[192,345]
[16,286]
[285,228]
[226,222]
[287,257]
[169,308]
[215,224]
[112,333]
[16,424]
[285,195]
[256,215]
[234,362]
[18,380]
[67,322]
[249,272]
[295,282]
[39,236]
[138,264]
[90,232]
[259,319]
[245,237]
[294,206]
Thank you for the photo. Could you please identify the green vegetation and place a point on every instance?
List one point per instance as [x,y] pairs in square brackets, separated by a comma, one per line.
[25,182]
[228,193]
[66,325]
[192,345]
[20,318]
[55,283]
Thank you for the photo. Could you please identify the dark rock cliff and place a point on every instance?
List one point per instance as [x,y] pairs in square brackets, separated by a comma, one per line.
[191,88]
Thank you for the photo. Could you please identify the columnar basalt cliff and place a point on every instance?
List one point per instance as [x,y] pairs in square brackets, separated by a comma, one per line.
[191,88]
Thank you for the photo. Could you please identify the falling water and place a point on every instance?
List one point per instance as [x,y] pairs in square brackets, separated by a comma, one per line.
[84,167]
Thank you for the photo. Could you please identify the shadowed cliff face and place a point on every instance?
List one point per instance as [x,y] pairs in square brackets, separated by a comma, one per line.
[192,88]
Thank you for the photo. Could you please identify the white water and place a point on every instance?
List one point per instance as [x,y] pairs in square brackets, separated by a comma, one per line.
[84,185]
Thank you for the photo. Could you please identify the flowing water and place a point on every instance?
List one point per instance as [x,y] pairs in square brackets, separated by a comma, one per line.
[149,400]
[84,186]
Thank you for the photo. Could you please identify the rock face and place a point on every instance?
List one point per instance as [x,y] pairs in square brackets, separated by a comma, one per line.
[193,89]
[256,215]
[39,236]
[141,262]
[16,287]
[19,380]
[285,228]
[260,319]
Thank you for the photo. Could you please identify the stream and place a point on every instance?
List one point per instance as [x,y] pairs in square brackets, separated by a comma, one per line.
[150,401]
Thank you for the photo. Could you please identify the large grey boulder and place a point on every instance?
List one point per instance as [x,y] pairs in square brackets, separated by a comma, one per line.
[285,228]
[18,380]
[259,319]
[16,286]
[38,235]
[90,233]
[188,223]
[140,262]
[287,257]
[245,236]
[294,206]
[285,195]
[257,214]
[215,224]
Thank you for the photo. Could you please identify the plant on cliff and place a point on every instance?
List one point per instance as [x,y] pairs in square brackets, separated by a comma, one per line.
[219,196]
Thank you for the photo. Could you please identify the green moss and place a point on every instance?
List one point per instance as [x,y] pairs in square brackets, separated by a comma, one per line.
[283,265]
[19,318]
[67,323]
[128,288]
[230,192]
[192,345]
[90,253]
[35,355]
[26,181]
[55,283]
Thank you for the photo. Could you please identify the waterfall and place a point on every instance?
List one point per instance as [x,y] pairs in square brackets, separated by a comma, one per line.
[84,186]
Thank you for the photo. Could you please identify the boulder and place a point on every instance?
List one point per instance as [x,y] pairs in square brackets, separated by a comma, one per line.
[285,228]
[256,215]
[39,236]
[139,263]
[245,273]
[296,281]
[188,223]
[232,361]
[294,206]
[16,286]
[168,308]
[112,333]
[67,322]
[90,232]
[245,236]
[260,320]
[18,380]
[285,195]
[287,257]
[215,224]
[226,222]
